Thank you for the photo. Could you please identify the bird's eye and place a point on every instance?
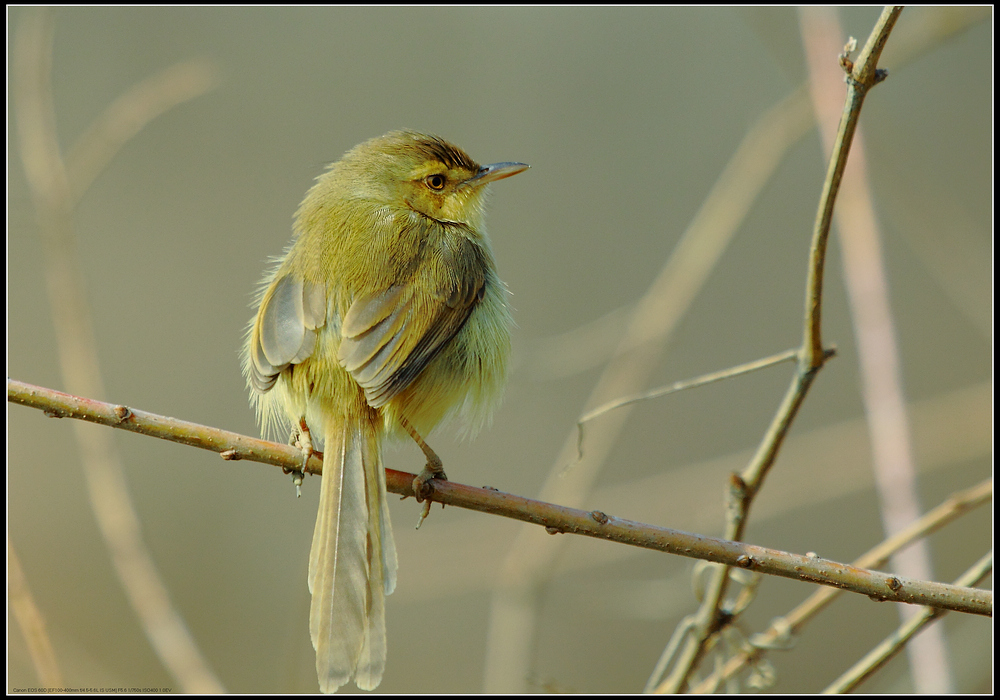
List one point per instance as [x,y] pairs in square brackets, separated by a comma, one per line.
[435,182]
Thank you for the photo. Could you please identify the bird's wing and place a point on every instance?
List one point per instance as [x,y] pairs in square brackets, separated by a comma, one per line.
[284,332]
[388,338]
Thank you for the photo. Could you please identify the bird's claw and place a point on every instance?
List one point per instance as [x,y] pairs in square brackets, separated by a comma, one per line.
[301,439]
[297,476]
[423,488]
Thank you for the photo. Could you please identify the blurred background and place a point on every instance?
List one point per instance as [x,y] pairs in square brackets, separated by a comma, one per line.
[627,117]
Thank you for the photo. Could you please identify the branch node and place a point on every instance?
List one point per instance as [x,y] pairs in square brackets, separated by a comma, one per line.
[737,487]
[845,57]
[599,517]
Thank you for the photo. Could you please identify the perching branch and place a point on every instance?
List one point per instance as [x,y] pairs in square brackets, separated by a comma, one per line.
[556,519]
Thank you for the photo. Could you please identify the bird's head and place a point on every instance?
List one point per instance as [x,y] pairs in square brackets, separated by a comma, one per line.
[425,174]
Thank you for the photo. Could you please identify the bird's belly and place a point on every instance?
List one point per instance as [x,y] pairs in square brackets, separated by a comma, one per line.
[465,378]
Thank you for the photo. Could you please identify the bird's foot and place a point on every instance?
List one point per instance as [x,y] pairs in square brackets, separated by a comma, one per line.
[423,488]
[302,439]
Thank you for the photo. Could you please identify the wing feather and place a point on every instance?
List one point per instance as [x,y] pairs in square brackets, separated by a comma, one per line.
[389,337]
[284,332]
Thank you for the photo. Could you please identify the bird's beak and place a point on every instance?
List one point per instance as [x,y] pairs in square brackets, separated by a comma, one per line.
[494,172]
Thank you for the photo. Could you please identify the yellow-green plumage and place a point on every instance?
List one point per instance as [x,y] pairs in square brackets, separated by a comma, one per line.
[386,308]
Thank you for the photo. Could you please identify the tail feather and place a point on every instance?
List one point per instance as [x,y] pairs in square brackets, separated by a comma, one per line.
[389,562]
[382,579]
[352,562]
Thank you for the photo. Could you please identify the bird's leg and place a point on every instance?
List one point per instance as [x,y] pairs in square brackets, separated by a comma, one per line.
[434,469]
[302,439]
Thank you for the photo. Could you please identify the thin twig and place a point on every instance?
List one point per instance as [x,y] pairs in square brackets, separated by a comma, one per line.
[694,383]
[702,380]
[745,486]
[556,519]
[895,642]
[792,623]
[879,361]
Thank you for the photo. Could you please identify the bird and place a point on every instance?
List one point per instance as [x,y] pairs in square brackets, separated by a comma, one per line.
[384,317]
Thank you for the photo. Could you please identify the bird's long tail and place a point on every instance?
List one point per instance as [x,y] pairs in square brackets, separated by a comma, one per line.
[352,564]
